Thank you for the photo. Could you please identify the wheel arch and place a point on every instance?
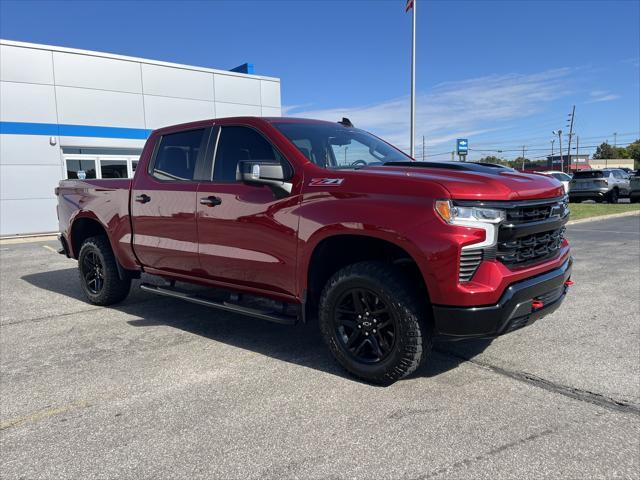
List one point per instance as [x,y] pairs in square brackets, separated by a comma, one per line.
[88,226]
[329,253]
[83,227]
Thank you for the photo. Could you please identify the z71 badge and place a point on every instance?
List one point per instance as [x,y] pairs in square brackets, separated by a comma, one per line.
[322,182]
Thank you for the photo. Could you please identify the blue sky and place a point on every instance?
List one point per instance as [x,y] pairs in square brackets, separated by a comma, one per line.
[502,73]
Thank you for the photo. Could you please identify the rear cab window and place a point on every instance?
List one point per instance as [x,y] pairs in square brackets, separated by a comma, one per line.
[177,154]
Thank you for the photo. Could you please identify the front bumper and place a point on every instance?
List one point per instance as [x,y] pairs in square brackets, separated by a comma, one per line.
[521,304]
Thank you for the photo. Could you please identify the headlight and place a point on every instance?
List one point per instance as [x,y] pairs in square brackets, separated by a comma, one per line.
[461,215]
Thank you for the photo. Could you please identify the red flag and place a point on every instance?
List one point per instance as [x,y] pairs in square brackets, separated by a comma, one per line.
[409,5]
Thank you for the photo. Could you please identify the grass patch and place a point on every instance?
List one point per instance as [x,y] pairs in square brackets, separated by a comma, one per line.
[586,210]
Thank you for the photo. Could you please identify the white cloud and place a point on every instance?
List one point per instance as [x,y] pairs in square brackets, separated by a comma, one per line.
[602,96]
[454,109]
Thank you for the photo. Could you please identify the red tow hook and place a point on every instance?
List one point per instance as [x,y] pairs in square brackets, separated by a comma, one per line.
[537,304]
[568,283]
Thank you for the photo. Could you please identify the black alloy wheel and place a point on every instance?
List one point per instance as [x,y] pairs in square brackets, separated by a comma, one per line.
[365,326]
[93,272]
[100,279]
[374,321]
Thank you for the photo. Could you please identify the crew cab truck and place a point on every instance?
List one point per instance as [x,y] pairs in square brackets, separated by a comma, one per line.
[325,222]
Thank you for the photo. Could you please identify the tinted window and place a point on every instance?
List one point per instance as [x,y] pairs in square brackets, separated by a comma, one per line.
[81,169]
[177,155]
[238,144]
[113,168]
[588,174]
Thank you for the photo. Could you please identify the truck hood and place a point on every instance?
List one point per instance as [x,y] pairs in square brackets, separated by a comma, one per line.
[476,181]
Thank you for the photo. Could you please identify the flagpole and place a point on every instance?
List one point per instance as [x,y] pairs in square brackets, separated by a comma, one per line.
[413,82]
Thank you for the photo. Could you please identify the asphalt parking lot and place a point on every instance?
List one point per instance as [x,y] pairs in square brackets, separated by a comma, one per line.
[158,388]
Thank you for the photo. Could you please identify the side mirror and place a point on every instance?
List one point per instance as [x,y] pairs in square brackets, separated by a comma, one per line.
[270,174]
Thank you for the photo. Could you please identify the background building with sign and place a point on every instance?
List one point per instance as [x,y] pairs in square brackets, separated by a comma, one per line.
[64,111]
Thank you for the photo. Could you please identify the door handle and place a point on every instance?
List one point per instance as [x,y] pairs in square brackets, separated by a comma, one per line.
[210,201]
[143,198]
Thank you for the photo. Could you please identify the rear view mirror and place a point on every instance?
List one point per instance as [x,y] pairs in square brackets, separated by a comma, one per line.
[264,173]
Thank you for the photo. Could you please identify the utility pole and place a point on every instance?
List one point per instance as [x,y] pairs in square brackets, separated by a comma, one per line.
[571,115]
[423,148]
[559,134]
[560,142]
[523,149]
[452,155]
[552,142]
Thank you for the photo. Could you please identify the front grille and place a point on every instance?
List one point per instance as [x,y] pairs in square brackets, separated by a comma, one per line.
[528,213]
[469,263]
[530,248]
[532,232]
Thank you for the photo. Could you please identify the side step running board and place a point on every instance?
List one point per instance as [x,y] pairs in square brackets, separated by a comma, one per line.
[225,306]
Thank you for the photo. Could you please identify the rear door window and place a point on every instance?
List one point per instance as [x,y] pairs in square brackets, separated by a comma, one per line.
[177,155]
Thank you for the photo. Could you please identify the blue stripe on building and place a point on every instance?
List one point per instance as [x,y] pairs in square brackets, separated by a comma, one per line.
[24,128]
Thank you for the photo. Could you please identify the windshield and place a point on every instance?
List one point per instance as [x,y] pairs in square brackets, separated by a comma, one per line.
[338,147]
[563,177]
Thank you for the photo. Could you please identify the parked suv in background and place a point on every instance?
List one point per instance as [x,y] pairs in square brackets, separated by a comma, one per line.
[634,195]
[600,185]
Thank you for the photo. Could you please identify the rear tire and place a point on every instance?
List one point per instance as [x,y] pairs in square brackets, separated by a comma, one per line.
[613,196]
[98,271]
[391,338]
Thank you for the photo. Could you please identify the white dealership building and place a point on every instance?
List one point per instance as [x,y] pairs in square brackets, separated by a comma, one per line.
[64,110]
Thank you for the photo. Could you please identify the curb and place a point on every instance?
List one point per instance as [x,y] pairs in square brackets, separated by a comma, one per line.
[604,217]
[27,239]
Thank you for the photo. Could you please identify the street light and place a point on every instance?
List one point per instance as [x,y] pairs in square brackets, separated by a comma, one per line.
[559,134]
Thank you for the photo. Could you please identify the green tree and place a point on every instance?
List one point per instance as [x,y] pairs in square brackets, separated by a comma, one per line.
[491,159]
[633,151]
[608,151]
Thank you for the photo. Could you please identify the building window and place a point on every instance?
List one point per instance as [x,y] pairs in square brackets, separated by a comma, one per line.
[81,168]
[134,165]
[113,168]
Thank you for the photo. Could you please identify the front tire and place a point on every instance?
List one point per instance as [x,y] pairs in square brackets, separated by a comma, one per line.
[98,271]
[372,322]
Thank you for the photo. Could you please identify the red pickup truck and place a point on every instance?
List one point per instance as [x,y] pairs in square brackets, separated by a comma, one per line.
[298,220]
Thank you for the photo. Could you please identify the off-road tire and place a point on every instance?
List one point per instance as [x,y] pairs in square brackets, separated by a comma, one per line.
[114,289]
[413,339]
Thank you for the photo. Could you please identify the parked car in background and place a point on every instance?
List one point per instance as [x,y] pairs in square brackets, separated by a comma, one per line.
[634,194]
[560,176]
[607,185]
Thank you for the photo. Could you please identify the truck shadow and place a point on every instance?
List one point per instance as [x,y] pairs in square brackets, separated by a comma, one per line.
[301,344]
